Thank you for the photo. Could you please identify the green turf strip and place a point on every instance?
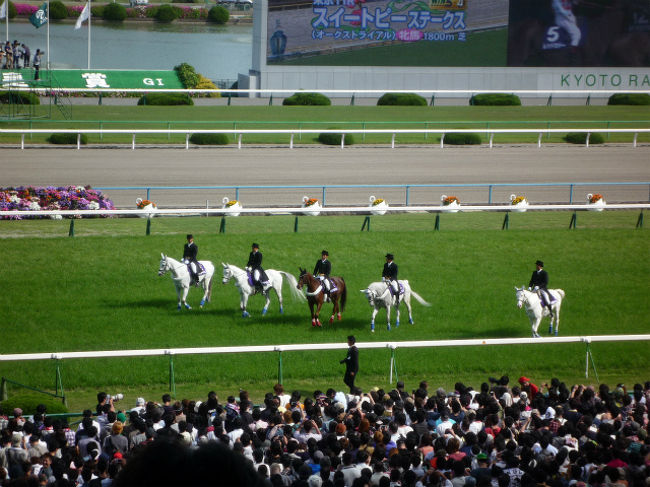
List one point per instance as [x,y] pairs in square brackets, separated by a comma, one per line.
[100,291]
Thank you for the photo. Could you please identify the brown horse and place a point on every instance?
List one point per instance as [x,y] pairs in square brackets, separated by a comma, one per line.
[317,296]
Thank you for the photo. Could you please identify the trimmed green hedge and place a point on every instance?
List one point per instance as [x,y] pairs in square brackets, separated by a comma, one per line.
[629,99]
[58,11]
[28,401]
[581,138]
[218,14]
[307,99]
[165,99]
[167,13]
[402,99]
[19,97]
[495,99]
[114,11]
[67,139]
[335,139]
[188,76]
[209,139]
[454,138]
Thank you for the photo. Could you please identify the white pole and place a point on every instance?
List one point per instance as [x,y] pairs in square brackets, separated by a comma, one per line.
[7,21]
[48,35]
[89,22]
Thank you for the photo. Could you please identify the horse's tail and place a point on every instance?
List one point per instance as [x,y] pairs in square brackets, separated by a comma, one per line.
[210,287]
[344,295]
[419,298]
[293,286]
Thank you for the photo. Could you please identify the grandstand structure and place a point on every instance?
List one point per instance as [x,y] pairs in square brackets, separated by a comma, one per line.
[455,45]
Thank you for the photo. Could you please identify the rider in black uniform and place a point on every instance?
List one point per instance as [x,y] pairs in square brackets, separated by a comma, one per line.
[322,270]
[190,251]
[389,274]
[539,283]
[254,265]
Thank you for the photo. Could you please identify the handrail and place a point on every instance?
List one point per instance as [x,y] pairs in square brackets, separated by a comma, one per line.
[406,187]
[333,210]
[292,132]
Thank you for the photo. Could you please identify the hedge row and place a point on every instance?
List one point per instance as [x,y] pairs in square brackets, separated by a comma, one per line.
[19,97]
[629,99]
[165,99]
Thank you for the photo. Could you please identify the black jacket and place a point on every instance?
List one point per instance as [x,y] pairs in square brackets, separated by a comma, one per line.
[352,360]
[190,251]
[255,260]
[390,271]
[539,279]
[323,267]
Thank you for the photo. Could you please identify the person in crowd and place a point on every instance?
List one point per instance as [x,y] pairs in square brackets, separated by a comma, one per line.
[351,362]
[322,270]
[37,64]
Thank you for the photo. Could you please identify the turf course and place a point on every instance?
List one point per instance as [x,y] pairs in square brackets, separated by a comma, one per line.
[351,117]
[100,291]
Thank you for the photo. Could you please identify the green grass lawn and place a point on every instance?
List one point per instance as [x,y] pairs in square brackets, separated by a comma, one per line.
[351,117]
[100,291]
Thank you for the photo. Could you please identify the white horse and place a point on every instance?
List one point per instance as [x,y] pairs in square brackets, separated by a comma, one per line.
[240,277]
[379,296]
[181,277]
[536,311]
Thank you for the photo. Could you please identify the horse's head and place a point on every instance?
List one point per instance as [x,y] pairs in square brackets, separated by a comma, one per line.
[370,295]
[302,278]
[164,267]
[227,273]
[520,296]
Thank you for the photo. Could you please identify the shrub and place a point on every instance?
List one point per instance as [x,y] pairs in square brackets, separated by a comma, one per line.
[206,84]
[167,13]
[165,99]
[454,138]
[188,76]
[629,99]
[28,401]
[58,11]
[402,99]
[67,139]
[307,99]
[218,14]
[335,139]
[581,138]
[495,99]
[19,97]
[114,11]
[209,139]
[13,11]
[97,11]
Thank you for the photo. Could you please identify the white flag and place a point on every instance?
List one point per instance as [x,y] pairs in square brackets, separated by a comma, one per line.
[85,15]
[3,9]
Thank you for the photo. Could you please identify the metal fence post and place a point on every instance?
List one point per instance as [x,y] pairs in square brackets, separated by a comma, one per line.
[639,221]
[574,220]
[222,225]
[506,221]
[3,390]
[71,230]
[393,364]
[148,231]
[366,224]
[295,225]
[280,378]
[58,387]
[436,225]
[172,379]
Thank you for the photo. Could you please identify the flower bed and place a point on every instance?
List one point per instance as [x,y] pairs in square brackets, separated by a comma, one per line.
[312,204]
[596,202]
[146,205]
[232,206]
[378,206]
[52,198]
[450,204]
[519,203]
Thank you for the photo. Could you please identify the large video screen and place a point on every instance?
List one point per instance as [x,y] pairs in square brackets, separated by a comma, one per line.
[454,33]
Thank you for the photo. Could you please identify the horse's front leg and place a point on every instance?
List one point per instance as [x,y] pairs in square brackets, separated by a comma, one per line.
[375,310]
[556,313]
[242,305]
[535,325]
[179,297]
[335,310]
[319,305]
[311,311]
[388,317]
[185,291]
[267,297]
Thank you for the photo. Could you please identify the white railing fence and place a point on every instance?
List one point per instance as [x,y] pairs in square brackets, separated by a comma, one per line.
[391,345]
[239,133]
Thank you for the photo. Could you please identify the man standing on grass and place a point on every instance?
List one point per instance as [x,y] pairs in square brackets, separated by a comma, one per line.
[351,363]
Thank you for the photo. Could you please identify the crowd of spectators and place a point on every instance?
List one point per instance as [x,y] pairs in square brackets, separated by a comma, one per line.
[500,435]
[15,55]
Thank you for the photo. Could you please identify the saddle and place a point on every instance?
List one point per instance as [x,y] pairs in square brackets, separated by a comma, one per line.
[257,285]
